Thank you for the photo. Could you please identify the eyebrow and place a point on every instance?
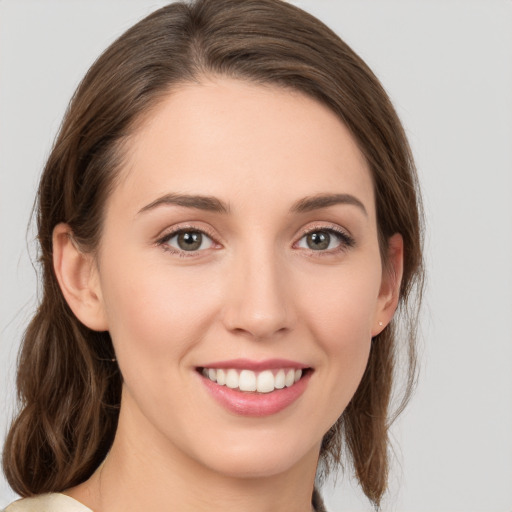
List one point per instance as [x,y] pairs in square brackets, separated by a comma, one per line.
[319,201]
[213,204]
[207,203]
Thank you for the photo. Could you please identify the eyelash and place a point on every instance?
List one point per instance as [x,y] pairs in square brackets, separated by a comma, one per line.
[345,240]
[163,241]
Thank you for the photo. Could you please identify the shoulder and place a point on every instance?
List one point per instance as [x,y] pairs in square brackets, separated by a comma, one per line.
[53,502]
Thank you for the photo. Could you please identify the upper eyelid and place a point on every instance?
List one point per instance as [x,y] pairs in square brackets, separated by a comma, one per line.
[162,241]
[325,227]
[344,236]
[168,233]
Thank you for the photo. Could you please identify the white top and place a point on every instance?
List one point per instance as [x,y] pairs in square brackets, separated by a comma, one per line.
[56,502]
[53,502]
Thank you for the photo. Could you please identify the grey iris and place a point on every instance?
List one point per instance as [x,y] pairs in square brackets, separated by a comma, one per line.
[190,240]
[319,240]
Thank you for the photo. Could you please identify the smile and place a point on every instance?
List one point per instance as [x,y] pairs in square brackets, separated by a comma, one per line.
[246,380]
[255,388]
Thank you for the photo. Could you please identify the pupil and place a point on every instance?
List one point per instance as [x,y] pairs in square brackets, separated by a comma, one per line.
[190,240]
[319,240]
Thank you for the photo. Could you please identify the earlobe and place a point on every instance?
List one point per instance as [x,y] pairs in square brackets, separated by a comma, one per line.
[389,293]
[78,279]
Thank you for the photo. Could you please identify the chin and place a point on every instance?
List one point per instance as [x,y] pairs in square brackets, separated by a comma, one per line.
[262,459]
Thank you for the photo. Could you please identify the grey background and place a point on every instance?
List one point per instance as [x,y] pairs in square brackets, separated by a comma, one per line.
[447,65]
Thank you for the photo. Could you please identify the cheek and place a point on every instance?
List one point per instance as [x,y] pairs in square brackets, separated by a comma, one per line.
[340,315]
[150,314]
[341,306]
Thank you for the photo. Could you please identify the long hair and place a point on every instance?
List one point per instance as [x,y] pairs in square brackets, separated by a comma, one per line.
[69,391]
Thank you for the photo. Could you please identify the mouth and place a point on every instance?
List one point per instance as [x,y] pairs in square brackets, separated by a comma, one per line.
[247,387]
[250,381]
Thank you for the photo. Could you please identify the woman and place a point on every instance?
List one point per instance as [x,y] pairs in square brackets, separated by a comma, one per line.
[228,221]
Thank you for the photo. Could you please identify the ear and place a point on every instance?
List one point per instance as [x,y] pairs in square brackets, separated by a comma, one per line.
[78,279]
[389,293]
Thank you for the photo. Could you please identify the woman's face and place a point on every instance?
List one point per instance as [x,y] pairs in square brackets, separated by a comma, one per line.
[240,246]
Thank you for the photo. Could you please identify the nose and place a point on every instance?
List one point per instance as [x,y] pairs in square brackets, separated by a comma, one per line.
[259,300]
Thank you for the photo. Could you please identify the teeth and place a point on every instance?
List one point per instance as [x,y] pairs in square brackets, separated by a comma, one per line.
[247,380]
[232,379]
[265,382]
[221,377]
[289,379]
[279,380]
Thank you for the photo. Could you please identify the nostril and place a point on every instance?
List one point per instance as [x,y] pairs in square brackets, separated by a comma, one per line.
[259,306]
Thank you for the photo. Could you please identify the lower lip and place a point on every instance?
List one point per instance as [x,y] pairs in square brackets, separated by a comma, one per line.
[256,404]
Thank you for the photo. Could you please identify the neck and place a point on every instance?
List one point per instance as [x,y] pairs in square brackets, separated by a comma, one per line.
[141,473]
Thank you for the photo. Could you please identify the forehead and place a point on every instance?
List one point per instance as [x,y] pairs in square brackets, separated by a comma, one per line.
[239,140]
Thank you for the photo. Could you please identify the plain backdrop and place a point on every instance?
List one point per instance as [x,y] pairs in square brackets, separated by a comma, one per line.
[447,65]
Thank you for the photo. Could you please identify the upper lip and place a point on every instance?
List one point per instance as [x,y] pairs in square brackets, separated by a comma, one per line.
[256,366]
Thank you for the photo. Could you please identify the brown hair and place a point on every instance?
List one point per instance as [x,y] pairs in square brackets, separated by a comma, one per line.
[68,388]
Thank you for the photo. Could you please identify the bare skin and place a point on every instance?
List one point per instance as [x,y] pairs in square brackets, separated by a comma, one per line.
[286,266]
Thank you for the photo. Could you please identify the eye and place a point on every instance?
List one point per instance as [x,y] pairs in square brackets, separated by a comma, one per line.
[188,240]
[325,240]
